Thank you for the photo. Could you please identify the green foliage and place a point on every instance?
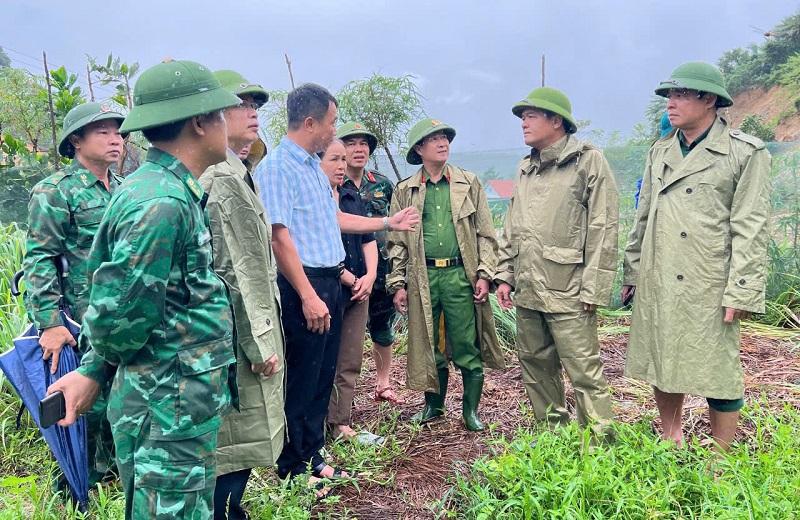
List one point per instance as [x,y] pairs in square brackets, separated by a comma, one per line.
[24,110]
[66,95]
[636,478]
[12,310]
[387,106]
[756,125]
[760,65]
[649,129]
[273,117]
[119,74]
[20,170]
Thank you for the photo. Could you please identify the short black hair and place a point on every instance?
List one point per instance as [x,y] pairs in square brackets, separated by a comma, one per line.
[69,149]
[171,131]
[308,100]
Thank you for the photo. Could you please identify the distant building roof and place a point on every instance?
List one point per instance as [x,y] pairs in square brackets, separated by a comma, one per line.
[499,189]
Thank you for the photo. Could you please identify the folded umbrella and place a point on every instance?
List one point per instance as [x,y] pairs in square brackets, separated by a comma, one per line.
[30,376]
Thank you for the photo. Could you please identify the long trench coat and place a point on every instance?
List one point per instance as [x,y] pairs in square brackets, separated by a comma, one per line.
[243,257]
[699,244]
[478,245]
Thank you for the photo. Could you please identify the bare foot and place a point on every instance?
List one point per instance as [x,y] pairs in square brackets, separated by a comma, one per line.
[343,431]
[330,472]
[678,442]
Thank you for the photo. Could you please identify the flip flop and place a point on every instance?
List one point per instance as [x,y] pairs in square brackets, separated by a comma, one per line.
[393,398]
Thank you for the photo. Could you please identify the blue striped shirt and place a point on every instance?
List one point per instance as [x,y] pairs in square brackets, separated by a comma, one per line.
[297,194]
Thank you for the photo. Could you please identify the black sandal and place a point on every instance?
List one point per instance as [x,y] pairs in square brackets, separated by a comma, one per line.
[337,472]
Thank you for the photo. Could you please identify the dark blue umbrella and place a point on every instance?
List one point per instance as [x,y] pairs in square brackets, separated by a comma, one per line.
[30,376]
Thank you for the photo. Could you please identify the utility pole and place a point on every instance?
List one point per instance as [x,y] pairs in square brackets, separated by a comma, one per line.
[542,69]
[56,159]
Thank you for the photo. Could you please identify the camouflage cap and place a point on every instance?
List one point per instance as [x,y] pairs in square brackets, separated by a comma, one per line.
[422,130]
[697,75]
[552,100]
[352,129]
[236,84]
[81,116]
[174,91]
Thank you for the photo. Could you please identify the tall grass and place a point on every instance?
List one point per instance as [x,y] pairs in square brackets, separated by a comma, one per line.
[638,477]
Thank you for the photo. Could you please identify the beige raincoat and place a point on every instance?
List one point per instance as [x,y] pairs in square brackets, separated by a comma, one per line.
[559,244]
[699,244]
[476,240]
[242,236]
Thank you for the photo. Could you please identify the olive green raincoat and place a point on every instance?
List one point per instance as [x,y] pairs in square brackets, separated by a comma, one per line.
[478,245]
[699,244]
[556,253]
[243,257]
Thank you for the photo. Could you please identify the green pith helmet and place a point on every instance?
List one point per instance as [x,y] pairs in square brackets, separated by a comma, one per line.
[235,83]
[422,130]
[550,99]
[352,129]
[697,75]
[81,116]
[174,91]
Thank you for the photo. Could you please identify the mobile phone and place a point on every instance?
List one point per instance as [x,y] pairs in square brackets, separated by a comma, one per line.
[52,409]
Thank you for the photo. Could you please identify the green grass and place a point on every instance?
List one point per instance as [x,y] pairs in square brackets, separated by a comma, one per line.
[638,478]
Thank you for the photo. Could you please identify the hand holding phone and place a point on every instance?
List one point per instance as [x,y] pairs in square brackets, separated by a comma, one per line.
[52,409]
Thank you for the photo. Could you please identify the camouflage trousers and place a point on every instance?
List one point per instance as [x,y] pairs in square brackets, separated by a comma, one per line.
[167,479]
[546,342]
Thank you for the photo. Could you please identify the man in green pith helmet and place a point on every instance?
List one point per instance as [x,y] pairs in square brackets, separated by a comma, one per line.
[159,320]
[558,254]
[696,256]
[376,194]
[243,257]
[444,267]
[64,213]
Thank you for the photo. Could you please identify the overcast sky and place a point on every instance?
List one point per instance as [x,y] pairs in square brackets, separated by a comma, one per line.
[472,60]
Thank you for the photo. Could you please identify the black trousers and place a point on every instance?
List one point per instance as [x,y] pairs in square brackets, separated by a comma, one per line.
[310,367]
[230,485]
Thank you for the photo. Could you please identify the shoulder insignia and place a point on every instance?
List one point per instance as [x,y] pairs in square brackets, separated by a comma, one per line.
[747,138]
[194,187]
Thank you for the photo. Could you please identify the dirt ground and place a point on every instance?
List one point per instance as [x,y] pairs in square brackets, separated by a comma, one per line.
[423,475]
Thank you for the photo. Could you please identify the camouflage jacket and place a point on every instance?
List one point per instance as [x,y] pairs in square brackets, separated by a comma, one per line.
[157,309]
[376,194]
[65,210]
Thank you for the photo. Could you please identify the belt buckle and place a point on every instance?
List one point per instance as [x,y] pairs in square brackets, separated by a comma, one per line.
[441,262]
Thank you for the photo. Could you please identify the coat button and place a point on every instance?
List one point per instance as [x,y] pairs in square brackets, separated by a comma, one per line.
[688,191]
[683,234]
[742,281]
[269,322]
[680,277]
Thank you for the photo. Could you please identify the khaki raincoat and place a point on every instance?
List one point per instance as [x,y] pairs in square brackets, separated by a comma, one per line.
[699,244]
[559,244]
[478,245]
[243,257]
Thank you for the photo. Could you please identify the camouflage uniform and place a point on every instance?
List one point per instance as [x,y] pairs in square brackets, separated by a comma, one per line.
[65,210]
[376,194]
[158,310]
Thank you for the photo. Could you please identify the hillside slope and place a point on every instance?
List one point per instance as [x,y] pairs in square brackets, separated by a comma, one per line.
[770,105]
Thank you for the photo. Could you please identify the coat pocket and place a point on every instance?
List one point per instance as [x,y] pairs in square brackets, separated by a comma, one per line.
[560,267]
[202,376]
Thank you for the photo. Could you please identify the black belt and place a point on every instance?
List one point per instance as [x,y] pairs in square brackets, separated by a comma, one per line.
[324,272]
[443,262]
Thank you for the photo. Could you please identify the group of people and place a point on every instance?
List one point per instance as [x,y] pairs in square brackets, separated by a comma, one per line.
[224,298]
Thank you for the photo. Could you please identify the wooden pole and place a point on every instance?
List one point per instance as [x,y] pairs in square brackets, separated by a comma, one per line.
[52,112]
[542,69]
[89,79]
[289,66]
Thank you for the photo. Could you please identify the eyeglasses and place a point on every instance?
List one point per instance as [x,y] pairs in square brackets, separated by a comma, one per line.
[247,105]
[682,94]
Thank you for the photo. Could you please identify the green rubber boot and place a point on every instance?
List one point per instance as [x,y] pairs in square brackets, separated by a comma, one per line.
[473,386]
[434,403]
